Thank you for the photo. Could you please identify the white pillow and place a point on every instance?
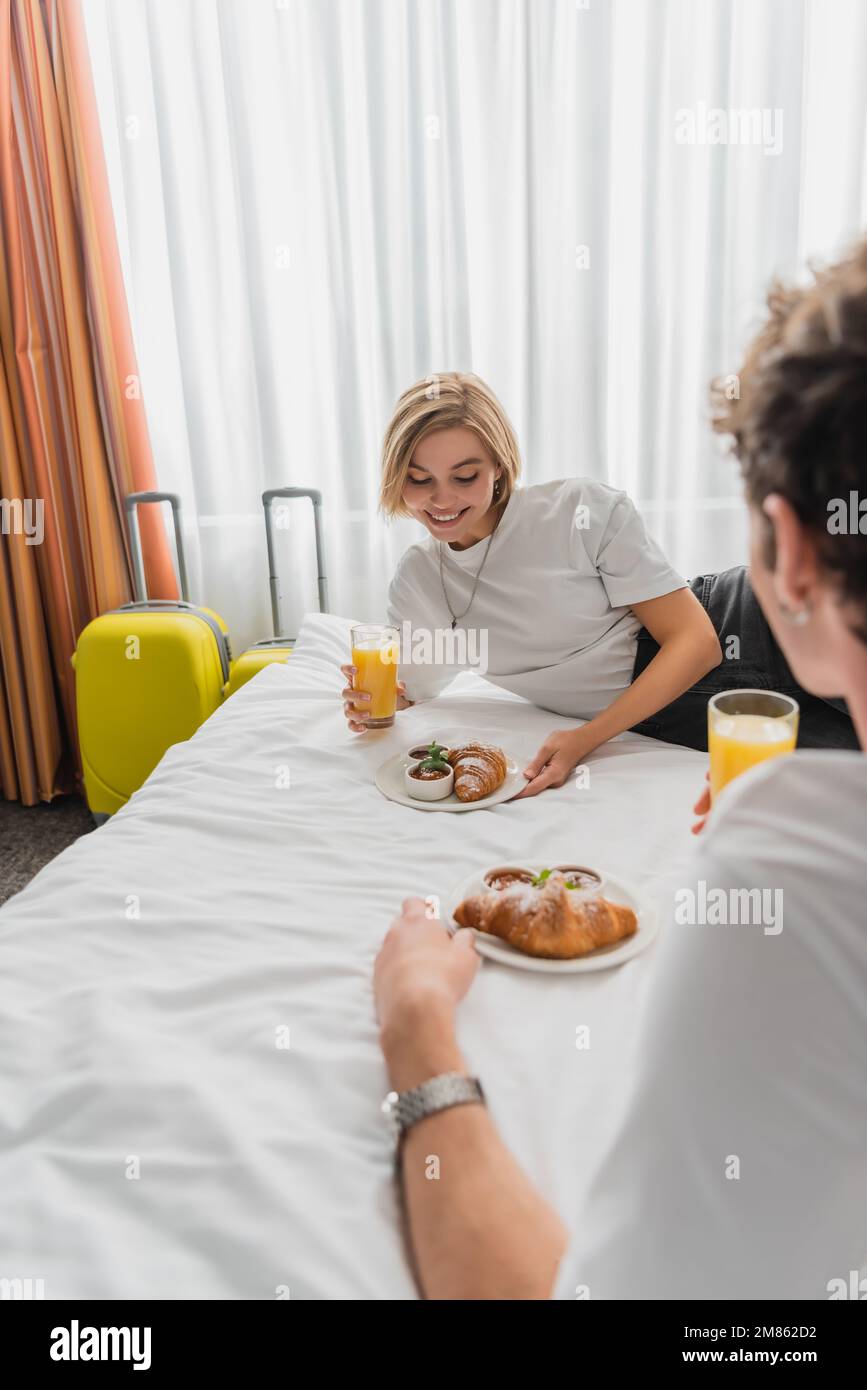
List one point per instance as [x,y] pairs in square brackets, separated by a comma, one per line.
[326,636]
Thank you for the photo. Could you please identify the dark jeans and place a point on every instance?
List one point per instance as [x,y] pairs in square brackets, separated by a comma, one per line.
[755,663]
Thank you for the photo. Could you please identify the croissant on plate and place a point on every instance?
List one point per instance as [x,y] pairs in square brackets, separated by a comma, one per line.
[547,921]
[480,769]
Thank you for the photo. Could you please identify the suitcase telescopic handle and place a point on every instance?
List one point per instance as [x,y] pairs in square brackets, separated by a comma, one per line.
[273,578]
[133,499]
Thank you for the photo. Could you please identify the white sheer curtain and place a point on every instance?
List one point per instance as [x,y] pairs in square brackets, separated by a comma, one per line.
[320,201]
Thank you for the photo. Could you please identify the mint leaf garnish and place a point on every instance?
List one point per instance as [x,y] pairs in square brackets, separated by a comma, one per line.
[545,874]
[435,765]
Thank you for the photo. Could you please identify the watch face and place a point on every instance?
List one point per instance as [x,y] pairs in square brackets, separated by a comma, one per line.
[389,1110]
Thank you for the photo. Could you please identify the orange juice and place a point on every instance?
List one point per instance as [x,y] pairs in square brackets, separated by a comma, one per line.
[375,654]
[737,742]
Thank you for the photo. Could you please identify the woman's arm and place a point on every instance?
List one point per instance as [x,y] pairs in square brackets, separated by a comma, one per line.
[422,675]
[688,649]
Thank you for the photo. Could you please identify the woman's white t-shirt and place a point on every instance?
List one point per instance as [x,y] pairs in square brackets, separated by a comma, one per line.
[740,1170]
[550,620]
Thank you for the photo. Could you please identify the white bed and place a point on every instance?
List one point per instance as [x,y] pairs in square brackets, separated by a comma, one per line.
[264,1171]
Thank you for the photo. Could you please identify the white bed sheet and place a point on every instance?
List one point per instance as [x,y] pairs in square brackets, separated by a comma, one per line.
[152,1038]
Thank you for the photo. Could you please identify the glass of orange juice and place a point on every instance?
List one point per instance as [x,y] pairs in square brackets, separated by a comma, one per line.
[375,655]
[744,727]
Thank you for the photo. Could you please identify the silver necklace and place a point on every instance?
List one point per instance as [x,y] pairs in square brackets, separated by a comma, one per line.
[456,616]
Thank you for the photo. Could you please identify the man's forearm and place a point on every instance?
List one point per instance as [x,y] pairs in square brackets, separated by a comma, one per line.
[479,1229]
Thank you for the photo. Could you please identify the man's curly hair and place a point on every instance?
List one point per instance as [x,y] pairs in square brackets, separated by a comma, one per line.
[799,421]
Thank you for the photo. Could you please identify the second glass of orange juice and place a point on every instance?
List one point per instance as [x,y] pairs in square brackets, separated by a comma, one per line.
[375,655]
[744,727]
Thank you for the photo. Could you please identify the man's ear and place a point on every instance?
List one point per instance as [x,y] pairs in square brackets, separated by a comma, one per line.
[795,566]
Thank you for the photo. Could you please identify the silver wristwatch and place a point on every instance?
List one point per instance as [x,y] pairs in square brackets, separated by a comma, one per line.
[406,1108]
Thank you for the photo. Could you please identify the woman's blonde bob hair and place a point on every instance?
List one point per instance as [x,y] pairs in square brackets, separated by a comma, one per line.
[439,402]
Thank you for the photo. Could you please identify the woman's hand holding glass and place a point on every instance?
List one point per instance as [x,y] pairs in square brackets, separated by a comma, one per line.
[356,716]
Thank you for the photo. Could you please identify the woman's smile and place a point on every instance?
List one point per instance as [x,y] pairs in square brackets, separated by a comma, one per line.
[446,521]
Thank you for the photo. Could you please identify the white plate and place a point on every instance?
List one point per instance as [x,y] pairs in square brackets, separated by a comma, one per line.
[616,891]
[390,780]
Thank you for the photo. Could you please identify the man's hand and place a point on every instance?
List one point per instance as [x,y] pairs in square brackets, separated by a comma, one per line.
[702,807]
[559,754]
[420,968]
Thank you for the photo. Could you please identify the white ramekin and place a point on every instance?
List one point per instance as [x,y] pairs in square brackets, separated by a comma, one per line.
[436,790]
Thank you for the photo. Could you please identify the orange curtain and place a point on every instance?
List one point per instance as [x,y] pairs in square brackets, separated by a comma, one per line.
[73,434]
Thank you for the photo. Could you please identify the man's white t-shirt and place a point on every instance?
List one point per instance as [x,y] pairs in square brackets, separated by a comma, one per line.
[740,1170]
[550,620]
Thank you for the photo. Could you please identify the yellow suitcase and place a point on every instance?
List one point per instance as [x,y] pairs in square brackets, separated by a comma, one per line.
[278,647]
[146,676]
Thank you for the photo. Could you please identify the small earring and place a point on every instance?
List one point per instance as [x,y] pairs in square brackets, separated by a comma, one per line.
[797,619]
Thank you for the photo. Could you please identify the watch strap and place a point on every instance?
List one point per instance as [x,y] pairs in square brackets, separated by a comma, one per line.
[438,1093]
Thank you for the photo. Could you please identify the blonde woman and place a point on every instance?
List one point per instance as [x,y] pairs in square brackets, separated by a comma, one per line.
[573,604]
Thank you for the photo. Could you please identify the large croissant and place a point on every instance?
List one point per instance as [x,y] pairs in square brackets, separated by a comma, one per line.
[547,921]
[479,770]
